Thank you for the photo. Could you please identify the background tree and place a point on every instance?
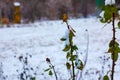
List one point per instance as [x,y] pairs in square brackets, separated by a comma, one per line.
[48,9]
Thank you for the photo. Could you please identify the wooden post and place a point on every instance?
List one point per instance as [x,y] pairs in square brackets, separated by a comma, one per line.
[17,15]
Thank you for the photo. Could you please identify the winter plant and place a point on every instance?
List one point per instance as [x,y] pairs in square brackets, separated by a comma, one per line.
[27,70]
[109,15]
[73,62]
[2,77]
[51,68]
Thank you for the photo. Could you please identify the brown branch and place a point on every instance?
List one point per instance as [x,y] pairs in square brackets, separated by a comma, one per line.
[113,53]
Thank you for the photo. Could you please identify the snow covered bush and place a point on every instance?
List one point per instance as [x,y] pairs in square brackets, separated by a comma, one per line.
[109,15]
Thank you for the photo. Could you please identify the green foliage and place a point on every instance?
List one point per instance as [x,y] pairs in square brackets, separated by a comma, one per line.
[63,39]
[50,73]
[74,47]
[119,24]
[106,77]
[114,47]
[67,47]
[108,13]
[73,58]
[71,50]
[33,78]
[71,53]
[49,70]
[115,58]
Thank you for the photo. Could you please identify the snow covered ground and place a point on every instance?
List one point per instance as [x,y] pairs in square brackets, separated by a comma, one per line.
[42,39]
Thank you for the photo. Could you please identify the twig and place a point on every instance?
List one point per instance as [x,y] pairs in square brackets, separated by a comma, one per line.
[86,58]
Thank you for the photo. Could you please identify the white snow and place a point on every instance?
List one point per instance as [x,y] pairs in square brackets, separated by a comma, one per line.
[109,2]
[16,3]
[66,36]
[102,14]
[119,12]
[42,39]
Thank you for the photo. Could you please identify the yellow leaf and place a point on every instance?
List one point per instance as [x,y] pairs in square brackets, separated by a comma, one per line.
[65,17]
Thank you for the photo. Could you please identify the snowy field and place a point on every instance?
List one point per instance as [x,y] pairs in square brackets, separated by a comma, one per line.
[42,39]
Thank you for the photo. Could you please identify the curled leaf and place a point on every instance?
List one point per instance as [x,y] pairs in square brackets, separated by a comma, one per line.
[68,65]
[67,47]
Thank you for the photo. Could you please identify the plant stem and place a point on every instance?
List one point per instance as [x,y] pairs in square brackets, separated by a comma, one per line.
[71,51]
[86,56]
[54,71]
[73,67]
[113,53]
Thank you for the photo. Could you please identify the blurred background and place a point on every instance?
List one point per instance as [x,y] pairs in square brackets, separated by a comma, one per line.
[31,10]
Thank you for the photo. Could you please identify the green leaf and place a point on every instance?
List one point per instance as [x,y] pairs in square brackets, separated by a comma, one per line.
[73,57]
[71,35]
[109,10]
[103,20]
[47,69]
[63,39]
[107,15]
[117,49]
[74,47]
[67,47]
[110,50]
[112,43]
[119,24]
[106,77]
[68,65]
[115,57]
[114,47]
[50,73]
[33,78]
